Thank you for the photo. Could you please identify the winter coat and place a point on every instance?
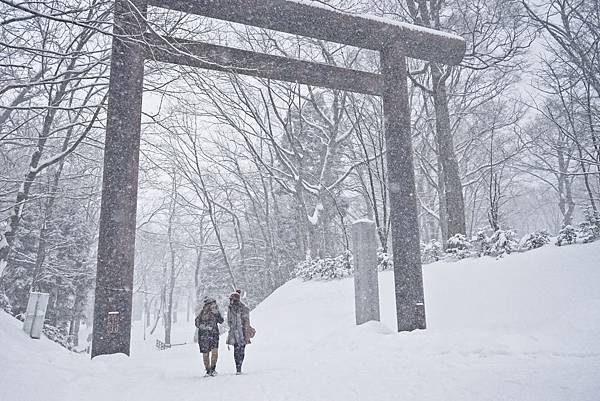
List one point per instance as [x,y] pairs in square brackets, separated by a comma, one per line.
[238,319]
[208,331]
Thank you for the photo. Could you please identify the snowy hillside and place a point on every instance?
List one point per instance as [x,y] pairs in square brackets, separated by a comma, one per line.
[526,327]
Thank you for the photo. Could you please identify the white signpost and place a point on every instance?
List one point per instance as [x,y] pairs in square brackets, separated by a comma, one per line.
[35,314]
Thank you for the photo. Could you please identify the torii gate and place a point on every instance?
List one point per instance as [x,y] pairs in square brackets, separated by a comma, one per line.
[132,44]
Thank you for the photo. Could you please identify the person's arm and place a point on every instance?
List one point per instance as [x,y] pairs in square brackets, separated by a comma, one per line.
[246,317]
[229,318]
[219,317]
[197,321]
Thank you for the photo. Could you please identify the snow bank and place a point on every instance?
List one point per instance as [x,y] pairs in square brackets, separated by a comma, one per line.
[33,369]
[526,327]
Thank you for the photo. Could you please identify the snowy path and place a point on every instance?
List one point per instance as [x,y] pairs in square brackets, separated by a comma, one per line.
[414,369]
[523,328]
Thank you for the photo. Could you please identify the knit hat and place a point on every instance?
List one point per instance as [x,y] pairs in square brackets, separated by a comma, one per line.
[236,296]
[208,300]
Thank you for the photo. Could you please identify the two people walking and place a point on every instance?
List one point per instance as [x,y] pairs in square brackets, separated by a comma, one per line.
[240,331]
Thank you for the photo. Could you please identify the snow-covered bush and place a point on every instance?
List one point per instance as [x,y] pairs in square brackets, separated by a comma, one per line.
[535,240]
[384,260]
[459,246]
[431,251]
[5,304]
[588,232]
[480,245]
[502,242]
[57,335]
[589,229]
[566,235]
[325,269]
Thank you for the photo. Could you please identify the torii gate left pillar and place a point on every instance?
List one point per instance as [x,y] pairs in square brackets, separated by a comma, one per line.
[131,45]
[116,241]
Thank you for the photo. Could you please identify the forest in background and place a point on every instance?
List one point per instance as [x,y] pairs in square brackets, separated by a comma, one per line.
[242,180]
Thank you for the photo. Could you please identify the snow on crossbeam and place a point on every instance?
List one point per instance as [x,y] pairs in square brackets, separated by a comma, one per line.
[319,22]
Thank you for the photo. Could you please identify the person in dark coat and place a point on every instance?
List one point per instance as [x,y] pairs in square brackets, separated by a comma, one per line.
[208,334]
[240,331]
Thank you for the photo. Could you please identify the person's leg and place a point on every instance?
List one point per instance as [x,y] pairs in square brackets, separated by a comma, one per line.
[213,359]
[238,354]
[206,358]
[236,357]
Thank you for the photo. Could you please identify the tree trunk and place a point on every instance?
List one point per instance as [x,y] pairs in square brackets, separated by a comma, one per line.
[566,205]
[188,308]
[158,311]
[197,270]
[452,188]
[168,315]
[586,180]
[442,201]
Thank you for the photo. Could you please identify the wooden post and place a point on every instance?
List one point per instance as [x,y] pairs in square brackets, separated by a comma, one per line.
[366,279]
[116,242]
[408,276]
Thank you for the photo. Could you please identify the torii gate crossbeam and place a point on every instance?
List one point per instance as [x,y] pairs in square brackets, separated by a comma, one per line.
[132,44]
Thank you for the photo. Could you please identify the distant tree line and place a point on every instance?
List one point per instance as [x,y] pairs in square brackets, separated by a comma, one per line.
[244,179]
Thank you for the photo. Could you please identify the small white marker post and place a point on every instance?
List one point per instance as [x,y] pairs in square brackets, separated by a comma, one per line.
[35,314]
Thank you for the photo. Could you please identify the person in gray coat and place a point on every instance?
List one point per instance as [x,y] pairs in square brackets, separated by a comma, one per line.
[240,331]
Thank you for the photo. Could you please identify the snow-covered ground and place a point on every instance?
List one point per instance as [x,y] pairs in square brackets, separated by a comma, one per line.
[526,327]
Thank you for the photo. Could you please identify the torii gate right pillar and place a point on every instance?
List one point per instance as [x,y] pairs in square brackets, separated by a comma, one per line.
[408,276]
